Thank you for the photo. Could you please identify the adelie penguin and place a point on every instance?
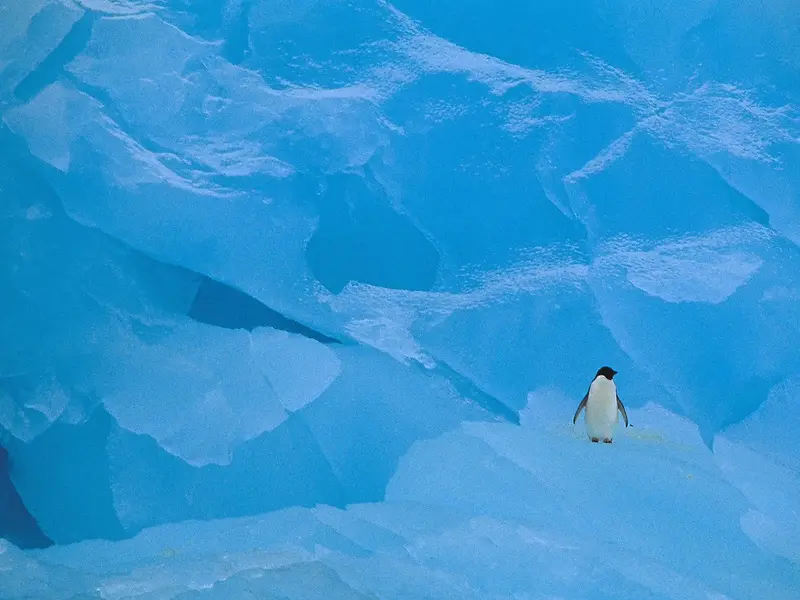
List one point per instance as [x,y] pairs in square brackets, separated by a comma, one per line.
[602,406]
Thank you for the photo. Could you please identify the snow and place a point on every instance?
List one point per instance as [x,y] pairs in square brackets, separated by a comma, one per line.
[299,299]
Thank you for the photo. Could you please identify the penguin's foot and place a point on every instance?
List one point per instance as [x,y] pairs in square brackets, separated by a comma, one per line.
[595,440]
[607,441]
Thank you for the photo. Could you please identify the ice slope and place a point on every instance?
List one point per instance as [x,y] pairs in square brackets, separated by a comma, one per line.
[262,257]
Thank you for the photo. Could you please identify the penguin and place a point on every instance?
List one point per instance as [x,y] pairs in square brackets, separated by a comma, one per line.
[602,404]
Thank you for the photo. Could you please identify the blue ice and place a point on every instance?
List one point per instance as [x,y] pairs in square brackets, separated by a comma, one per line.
[299,299]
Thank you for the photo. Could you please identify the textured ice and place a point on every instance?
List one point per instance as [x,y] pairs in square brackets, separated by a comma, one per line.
[483,511]
[298,299]
[30,33]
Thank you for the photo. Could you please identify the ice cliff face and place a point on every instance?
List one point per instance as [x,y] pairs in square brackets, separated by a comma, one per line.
[267,255]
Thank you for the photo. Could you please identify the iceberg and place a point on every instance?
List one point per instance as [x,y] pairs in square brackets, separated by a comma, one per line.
[299,299]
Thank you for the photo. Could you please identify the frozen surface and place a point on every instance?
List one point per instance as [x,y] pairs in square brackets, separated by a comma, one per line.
[299,298]
[483,511]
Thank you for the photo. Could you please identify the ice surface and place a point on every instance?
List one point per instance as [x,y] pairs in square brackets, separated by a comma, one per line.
[298,298]
[16,525]
[483,511]
[31,35]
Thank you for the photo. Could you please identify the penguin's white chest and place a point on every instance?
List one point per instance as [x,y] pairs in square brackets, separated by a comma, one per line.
[601,409]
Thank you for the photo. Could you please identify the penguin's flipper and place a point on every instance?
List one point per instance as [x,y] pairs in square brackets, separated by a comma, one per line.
[581,406]
[621,409]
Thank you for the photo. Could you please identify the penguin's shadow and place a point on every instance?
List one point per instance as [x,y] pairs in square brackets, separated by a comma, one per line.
[625,435]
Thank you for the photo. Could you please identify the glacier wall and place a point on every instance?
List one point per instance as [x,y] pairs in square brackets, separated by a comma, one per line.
[260,256]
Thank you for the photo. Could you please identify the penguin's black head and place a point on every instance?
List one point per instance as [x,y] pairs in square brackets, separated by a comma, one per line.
[606,372]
